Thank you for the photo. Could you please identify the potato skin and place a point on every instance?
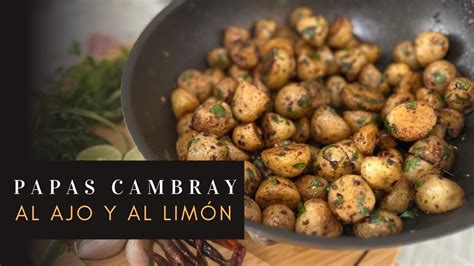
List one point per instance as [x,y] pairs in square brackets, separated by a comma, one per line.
[430,97]
[436,194]
[234,152]
[415,168]
[354,155]
[214,75]
[183,102]
[386,141]
[371,51]
[225,89]
[317,219]
[206,147]
[435,151]
[459,94]
[404,52]
[292,101]
[328,127]
[310,66]
[249,103]
[340,33]
[430,46]
[213,118]
[351,62]
[239,74]
[452,120]
[357,119]
[438,75]
[395,73]
[302,132]
[276,128]
[381,223]
[252,210]
[311,186]
[234,35]
[279,216]
[287,161]
[357,97]
[182,144]
[184,124]
[400,198]
[366,139]
[372,78]
[335,84]
[278,43]
[318,95]
[277,68]
[219,58]
[392,154]
[381,173]
[252,178]
[410,121]
[394,100]
[244,54]
[332,162]
[195,82]
[351,198]
[313,29]
[277,190]
[248,137]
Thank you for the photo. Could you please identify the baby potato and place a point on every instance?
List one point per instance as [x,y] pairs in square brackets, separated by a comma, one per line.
[219,58]
[379,224]
[394,100]
[252,179]
[206,147]
[392,154]
[358,97]
[249,103]
[381,173]
[265,28]
[366,138]
[298,13]
[332,162]
[436,194]
[225,89]
[438,130]
[318,95]
[328,127]
[386,141]
[410,121]
[278,67]
[354,155]
[340,33]
[234,35]
[301,46]
[302,133]
[357,119]
[430,46]
[430,97]
[452,120]
[277,190]
[183,102]
[415,168]
[313,29]
[459,94]
[287,33]
[372,78]
[351,198]
[279,216]
[309,66]
[214,75]
[287,161]
[234,152]
[404,52]
[214,118]
[395,72]
[371,51]
[400,198]
[410,83]
[335,84]
[292,101]
[196,83]
[252,210]
[438,75]
[311,187]
[184,124]
[239,74]
[351,62]
[327,57]
[183,143]
[245,55]
[276,128]
[248,137]
[435,151]
[316,218]
[278,43]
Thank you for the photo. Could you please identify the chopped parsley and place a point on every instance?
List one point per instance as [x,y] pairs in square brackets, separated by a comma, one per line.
[309,32]
[418,184]
[313,55]
[218,110]
[273,179]
[411,105]
[362,208]
[191,142]
[445,154]
[411,164]
[251,174]
[360,106]
[338,201]
[304,102]
[315,182]
[409,214]
[361,120]
[439,78]
[417,151]
[354,156]
[390,127]
[301,209]
[184,76]
[275,118]
[463,85]
[299,166]
[376,218]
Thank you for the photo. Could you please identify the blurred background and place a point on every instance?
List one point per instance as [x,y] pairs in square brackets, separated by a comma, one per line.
[100,25]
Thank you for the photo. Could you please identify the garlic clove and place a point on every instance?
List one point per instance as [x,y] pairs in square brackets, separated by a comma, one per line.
[97,249]
[135,252]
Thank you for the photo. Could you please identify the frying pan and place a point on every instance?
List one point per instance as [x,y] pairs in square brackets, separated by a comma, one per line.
[182,34]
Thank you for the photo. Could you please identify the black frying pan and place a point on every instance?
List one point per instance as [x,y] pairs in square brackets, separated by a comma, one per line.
[181,36]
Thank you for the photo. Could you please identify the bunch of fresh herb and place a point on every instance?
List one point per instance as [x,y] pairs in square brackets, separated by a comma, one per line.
[81,95]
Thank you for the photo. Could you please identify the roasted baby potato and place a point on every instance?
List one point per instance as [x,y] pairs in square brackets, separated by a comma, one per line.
[288,161]
[381,173]
[430,46]
[206,147]
[249,103]
[430,97]
[252,178]
[340,33]
[265,28]
[380,223]
[372,78]
[332,162]
[299,13]
[452,120]
[394,100]
[459,94]
[219,58]
[303,131]
[225,89]
[277,190]
[239,74]
[278,43]
[310,66]
[184,124]
[248,137]
[386,141]
[392,154]
[316,218]
[395,72]
[183,102]
[358,97]
[438,75]
[350,62]
[196,83]
[404,52]
[400,198]
[328,127]
[410,121]
[279,216]
[410,83]
[415,168]
[335,84]
[234,35]
[244,54]
[311,187]
[371,51]
[313,29]
[278,67]
[182,144]
[436,194]
[357,119]
[351,198]
[213,118]
[327,57]
[276,128]
[366,138]
[234,152]
[355,156]
[292,101]
[318,95]
[252,210]
[435,151]
[214,75]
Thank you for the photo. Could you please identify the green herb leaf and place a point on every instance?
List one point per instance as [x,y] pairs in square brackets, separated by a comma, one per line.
[439,78]
[375,217]
[191,142]
[184,76]
[339,201]
[463,85]
[218,110]
[361,120]
[273,179]
[315,182]
[309,32]
[301,209]
[251,174]
[446,154]
[275,118]
[390,127]
[299,166]
[75,48]
[411,164]
[362,208]
[419,183]
[304,102]
[411,105]
[409,214]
